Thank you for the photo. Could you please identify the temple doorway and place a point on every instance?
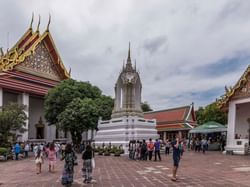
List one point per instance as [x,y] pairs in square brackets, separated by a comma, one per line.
[40,129]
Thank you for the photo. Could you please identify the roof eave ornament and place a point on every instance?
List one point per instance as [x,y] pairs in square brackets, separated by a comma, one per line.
[38,25]
[32,19]
[48,23]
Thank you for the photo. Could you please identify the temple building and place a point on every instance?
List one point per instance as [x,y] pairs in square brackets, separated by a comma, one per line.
[236,101]
[27,71]
[172,121]
[127,121]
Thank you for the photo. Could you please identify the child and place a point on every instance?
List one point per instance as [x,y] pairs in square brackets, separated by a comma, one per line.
[39,161]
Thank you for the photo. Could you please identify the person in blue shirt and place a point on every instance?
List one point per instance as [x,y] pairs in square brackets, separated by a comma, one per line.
[176,156]
[157,146]
[17,150]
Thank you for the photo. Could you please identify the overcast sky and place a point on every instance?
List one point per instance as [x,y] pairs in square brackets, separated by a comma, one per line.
[186,51]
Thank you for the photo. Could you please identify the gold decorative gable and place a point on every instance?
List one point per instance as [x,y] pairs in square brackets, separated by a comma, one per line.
[240,90]
[244,90]
[40,63]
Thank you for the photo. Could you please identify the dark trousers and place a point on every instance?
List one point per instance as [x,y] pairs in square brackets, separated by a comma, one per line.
[150,153]
[26,154]
[17,156]
[167,151]
[157,152]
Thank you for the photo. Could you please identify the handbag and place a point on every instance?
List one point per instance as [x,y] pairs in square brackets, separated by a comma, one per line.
[93,162]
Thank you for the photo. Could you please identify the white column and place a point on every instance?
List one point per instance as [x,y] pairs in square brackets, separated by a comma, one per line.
[231,124]
[25,102]
[164,136]
[1,97]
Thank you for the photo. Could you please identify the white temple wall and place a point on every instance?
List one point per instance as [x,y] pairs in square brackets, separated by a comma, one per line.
[241,124]
[36,110]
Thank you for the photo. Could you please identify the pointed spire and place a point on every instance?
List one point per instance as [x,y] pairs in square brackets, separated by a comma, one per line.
[135,65]
[48,23]
[70,71]
[38,25]
[32,19]
[129,59]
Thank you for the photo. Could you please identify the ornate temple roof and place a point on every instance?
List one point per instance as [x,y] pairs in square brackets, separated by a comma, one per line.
[27,45]
[180,118]
[33,65]
[231,92]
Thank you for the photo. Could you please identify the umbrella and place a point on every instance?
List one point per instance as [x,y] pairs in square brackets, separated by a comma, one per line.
[209,127]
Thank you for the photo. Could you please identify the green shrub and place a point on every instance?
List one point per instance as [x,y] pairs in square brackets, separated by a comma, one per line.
[117,153]
[106,153]
[3,151]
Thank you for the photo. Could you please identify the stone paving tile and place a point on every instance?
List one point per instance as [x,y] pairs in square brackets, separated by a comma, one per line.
[196,169]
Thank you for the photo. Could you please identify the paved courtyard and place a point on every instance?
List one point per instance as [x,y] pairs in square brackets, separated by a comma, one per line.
[196,169]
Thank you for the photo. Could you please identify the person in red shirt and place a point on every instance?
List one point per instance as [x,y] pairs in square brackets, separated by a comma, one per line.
[150,148]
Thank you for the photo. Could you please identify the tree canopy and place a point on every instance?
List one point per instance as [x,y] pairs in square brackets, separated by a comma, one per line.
[12,118]
[210,113]
[75,106]
[145,107]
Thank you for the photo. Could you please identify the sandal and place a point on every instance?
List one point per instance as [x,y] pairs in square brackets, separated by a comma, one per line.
[174,179]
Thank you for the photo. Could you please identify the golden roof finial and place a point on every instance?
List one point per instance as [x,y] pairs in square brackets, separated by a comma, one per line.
[48,23]
[69,71]
[1,52]
[38,25]
[32,19]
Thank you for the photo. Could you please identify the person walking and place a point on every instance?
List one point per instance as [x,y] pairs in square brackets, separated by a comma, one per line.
[68,170]
[204,145]
[39,161]
[87,169]
[51,152]
[157,146]
[167,147]
[26,150]
[176,157]
[17,149]
[150,149]
[144,150]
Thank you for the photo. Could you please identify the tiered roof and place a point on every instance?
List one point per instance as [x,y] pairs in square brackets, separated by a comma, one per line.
[181,118]
[14,78]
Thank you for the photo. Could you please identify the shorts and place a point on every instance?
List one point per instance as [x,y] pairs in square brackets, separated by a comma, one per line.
[52,162]
[176,162]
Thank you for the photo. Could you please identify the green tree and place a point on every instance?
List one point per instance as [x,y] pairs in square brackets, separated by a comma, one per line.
[59,97]
[12,118]
[79,116]
[105,105]
[75,106]
[145,107]
[211,113]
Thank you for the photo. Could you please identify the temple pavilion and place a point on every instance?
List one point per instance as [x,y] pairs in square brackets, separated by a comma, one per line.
[236,101]
[172,121]
[27,71]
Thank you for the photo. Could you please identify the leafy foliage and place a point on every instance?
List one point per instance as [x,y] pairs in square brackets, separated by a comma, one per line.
[79,115]
[211,113]
[105,104]
[59,97]
[12,118]
[145,107]
[75,106]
